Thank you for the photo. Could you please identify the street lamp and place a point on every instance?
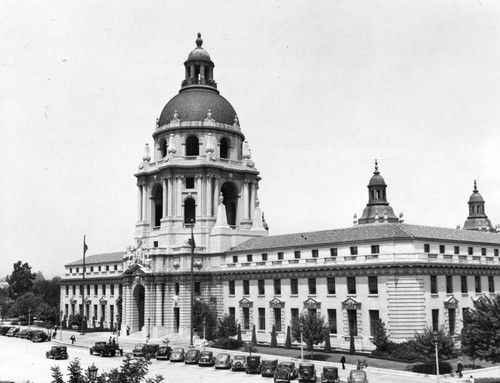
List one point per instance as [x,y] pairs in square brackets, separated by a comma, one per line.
[29,318]
[149,328]
[436,340]
[60,325]
[192,245]
[204,324]
[93,373]
[301,342]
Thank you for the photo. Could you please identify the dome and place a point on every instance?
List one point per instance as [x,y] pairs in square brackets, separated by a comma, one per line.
[199,53]
[377,179]
[192,104]
[476,197]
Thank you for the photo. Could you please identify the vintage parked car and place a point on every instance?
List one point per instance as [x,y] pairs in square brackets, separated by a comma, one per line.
[139,350]
[12,332]
[192,356]
[40,337]
[357,376]
[223,360]
[5,329]
[207,358]
[57,352]
[177,355]
[163,353]
[151,351]
[33,333]
[267,367]
[238,363]
[106,349]
[23,334]
[307,372]
[330,375]
[285,372]
[252,364]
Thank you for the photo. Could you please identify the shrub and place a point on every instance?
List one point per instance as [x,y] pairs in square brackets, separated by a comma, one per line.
[404,351]
[430,368]
[227,343]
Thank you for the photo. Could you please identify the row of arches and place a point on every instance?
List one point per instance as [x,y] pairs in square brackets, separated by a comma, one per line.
[228,190]
[192,144]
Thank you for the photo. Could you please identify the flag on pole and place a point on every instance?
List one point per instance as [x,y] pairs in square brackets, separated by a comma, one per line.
[191,242]
[85,247]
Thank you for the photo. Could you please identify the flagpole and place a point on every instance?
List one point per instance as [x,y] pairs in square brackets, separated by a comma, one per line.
[82,332]
[192,308]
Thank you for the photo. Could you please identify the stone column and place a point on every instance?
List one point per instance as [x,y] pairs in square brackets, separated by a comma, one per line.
[165,198]
[179,196]
[199,198]
[216,193]
[144,202]
[158,304]
[139,203]
[209,196]
[252,200]
[170,196]
[245,199]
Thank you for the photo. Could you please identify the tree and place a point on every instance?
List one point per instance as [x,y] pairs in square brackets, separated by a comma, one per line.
[227,326]
[423,344]
[274,341]
[254,336]
[288,341]
[380,337]
[481,333]
[313,329]
[21,279]
[239,333]
[203,312]
[48,290]
[24,305]
[327,346]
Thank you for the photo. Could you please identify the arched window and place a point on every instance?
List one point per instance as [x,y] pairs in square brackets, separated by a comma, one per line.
[162,148]
[192,146]
[189,211]
[230,194]
[224,148]
[156,205]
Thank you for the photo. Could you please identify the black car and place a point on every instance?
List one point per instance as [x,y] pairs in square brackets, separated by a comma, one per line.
[163,353]
[192,356]
[267,367]
[238,363]
[177,355]
[151,350]
[140,350]
[40,337]
[285,372]
[4,330]
[207,358]
[252,364]
[307,372]
[12,332]
[330,375]
[57,352]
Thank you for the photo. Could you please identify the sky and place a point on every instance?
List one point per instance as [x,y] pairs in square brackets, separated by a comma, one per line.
[321,89]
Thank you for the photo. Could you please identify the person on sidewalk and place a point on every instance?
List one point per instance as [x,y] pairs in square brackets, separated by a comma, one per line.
[460,368]
[472,380]
[128,330]
[342,360]
[73,339]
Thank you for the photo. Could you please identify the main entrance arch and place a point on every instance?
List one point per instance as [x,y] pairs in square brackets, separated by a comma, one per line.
[138,313]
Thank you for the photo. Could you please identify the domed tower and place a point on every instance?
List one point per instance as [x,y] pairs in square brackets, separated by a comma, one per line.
[477,219]
[200,170]
[377,209]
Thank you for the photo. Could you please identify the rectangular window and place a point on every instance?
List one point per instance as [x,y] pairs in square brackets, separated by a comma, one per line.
[277,319]
[296,254]
[177,319]
[294,286]
[491,284]
[374,317]
[77,269]
[262,318]
[463,284]
[115,267]
[280,255]
[246,318]
[375,249]
[373,285]
[189,182]
[442,249]
[477,280]
[95,290]
[449,284]
[457,249]
[294,313]
[177,288]
[332,321]
[495,252]
[95,312]
[452,320]
[249,257]
[66,310]
[434,284]
[483,251]
[197,288]
[235,259]
[330,283]
[71,270]
[103,289]
[261,286]
[91,268]
[112,289]
[311,282]
[74,289]
[81,289]
[333,252]
[264,256]
[354,250]
[231,287]
[427,248]
[107,267]
[435,320]
[314,253]
[277,287]
[67,290]
[99,268]
[470,250]
[351,285]
[352,317]
[232,312]
[246,287]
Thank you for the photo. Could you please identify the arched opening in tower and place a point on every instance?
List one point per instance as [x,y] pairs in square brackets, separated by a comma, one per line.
[230,194]
[224,148]
[157,205]
[139,299]
[192,146]
[189,211]
[162,147]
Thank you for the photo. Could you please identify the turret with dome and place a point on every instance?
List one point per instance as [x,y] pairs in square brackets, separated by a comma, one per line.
[477,219]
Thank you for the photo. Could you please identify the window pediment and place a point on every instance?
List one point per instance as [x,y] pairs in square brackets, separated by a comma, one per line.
[351,304]
[87,300]
[72,300]
[451,303]
[103,301]
[312,304]
[276,303]
[245,302]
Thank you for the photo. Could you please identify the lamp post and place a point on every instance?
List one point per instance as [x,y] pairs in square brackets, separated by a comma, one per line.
[301,342]
[60,326]
[192,245]
[204,325]
[93,373]
[29,318]
[436,340]
[149,328]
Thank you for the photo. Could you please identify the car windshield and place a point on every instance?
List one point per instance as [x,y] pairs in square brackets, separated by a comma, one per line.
[222,357]
[138,347]
[358,374]
[192,352]
[207,353]
[285,365]
[178,351]
[162,349]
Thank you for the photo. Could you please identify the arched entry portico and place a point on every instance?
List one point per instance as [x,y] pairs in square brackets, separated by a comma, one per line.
[138,308]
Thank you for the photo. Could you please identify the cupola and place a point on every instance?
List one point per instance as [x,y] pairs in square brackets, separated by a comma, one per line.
[477,219]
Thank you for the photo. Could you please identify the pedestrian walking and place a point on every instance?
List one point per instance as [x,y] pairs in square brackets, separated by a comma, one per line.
[472,380]
[128,330]
[114,340]
[342,360]
[109,341]
[460,368]
[73,339]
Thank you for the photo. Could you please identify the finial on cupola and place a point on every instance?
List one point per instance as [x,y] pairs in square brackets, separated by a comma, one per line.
[199,41]
[475,187]
[147,156]
[376,167]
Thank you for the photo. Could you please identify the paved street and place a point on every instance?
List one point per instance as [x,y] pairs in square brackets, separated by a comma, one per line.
[22,360]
